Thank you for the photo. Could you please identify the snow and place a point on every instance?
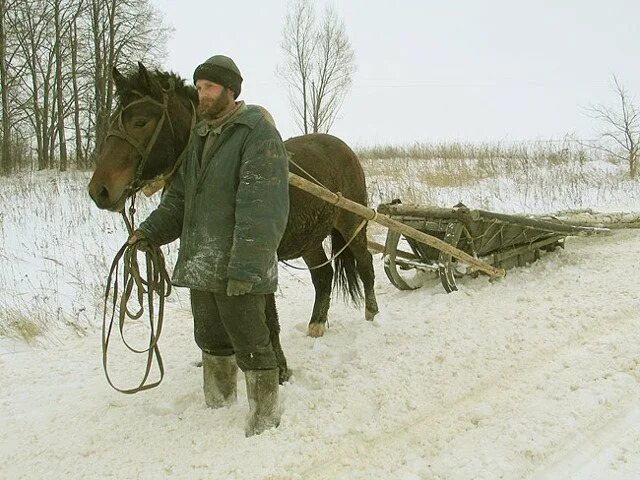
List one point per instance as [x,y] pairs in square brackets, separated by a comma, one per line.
[532,376]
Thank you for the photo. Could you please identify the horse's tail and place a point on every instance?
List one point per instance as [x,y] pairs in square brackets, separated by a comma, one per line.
[345,276]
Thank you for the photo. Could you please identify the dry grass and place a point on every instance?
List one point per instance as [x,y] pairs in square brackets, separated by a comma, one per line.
[524,177]
[56,249]
[15,325]
[551,151]
[460,164]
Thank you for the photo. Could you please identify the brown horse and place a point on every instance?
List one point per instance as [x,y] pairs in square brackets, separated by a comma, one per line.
[152,126]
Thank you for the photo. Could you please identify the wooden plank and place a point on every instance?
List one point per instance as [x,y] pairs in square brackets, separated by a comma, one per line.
[421,211]
[541,224]
[463,213]
[379,248]
[499,257]
[370,214]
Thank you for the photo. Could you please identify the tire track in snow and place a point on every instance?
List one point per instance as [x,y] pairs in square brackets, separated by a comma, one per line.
[425,428]
[389,448]
[582,458]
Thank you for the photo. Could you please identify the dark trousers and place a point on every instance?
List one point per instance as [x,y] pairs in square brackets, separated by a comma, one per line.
[225,325]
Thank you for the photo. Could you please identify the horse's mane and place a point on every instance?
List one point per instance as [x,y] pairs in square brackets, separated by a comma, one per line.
[136,80]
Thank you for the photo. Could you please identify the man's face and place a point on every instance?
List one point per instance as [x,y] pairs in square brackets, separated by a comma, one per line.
[213,99]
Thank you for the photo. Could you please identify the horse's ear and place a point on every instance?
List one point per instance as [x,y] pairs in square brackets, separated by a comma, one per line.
[144,75]
[148,83]
[119,80]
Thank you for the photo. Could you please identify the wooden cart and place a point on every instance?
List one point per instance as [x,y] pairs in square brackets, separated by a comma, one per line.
[501,240]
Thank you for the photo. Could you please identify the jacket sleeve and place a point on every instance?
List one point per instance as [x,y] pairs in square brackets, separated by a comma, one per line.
[262,205]
[164,224]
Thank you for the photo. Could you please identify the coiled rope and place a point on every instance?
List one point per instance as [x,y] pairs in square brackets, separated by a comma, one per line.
[156,282]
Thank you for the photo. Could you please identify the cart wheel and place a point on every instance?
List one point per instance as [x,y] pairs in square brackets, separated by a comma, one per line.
[445,267]
[391,267]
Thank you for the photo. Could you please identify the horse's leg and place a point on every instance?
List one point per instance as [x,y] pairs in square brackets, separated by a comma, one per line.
[347,225]
[321,278]
[271,314]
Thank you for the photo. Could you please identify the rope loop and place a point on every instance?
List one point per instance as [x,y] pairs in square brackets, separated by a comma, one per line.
[144,288]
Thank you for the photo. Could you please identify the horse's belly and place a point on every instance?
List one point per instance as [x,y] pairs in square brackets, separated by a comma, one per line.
[304,232]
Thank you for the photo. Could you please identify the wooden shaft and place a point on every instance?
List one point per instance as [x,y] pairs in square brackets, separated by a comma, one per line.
[371,215]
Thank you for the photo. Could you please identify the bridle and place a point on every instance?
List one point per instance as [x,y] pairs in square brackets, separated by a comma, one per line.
[117,129]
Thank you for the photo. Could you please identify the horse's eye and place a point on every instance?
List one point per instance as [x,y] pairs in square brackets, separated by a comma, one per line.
[140,122]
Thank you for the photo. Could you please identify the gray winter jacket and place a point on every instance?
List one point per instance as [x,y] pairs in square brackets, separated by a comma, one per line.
[229,209]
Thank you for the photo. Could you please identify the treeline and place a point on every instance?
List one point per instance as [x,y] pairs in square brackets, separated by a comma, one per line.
[56,58]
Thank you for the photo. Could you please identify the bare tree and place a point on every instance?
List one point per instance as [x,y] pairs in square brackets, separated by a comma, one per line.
[334,66]
[122,31]
[5,134]
[59,23]
[621,135]
[65,14]
[11,74]
[299,45]
[56,93]
[32,25]
[77,62]
[318,65]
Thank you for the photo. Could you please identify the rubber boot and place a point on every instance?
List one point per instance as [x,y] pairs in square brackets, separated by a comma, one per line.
[264,409]
[220,376]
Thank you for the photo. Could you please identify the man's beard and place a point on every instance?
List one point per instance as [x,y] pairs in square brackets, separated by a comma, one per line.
[211,109]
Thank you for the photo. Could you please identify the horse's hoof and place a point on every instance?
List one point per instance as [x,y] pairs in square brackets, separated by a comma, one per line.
[316,330]
[368,314]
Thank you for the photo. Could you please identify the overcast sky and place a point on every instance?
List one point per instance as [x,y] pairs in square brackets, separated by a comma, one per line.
[434,70]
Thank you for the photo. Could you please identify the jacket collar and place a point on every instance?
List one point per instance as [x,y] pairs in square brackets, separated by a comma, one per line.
[249,116]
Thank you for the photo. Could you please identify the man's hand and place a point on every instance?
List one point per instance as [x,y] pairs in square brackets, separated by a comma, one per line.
[238,287]
[138,239]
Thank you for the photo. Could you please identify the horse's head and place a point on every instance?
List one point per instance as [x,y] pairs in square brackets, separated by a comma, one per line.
[147,133]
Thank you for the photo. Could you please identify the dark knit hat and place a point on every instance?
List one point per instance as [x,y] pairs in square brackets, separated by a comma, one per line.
[221,70]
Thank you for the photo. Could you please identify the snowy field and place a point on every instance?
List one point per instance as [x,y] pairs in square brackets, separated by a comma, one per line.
[534,376]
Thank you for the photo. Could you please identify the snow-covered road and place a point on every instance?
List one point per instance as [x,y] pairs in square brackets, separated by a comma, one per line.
[533,376]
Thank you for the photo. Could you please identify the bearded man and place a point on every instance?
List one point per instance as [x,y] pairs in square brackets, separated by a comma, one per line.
[228,204]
